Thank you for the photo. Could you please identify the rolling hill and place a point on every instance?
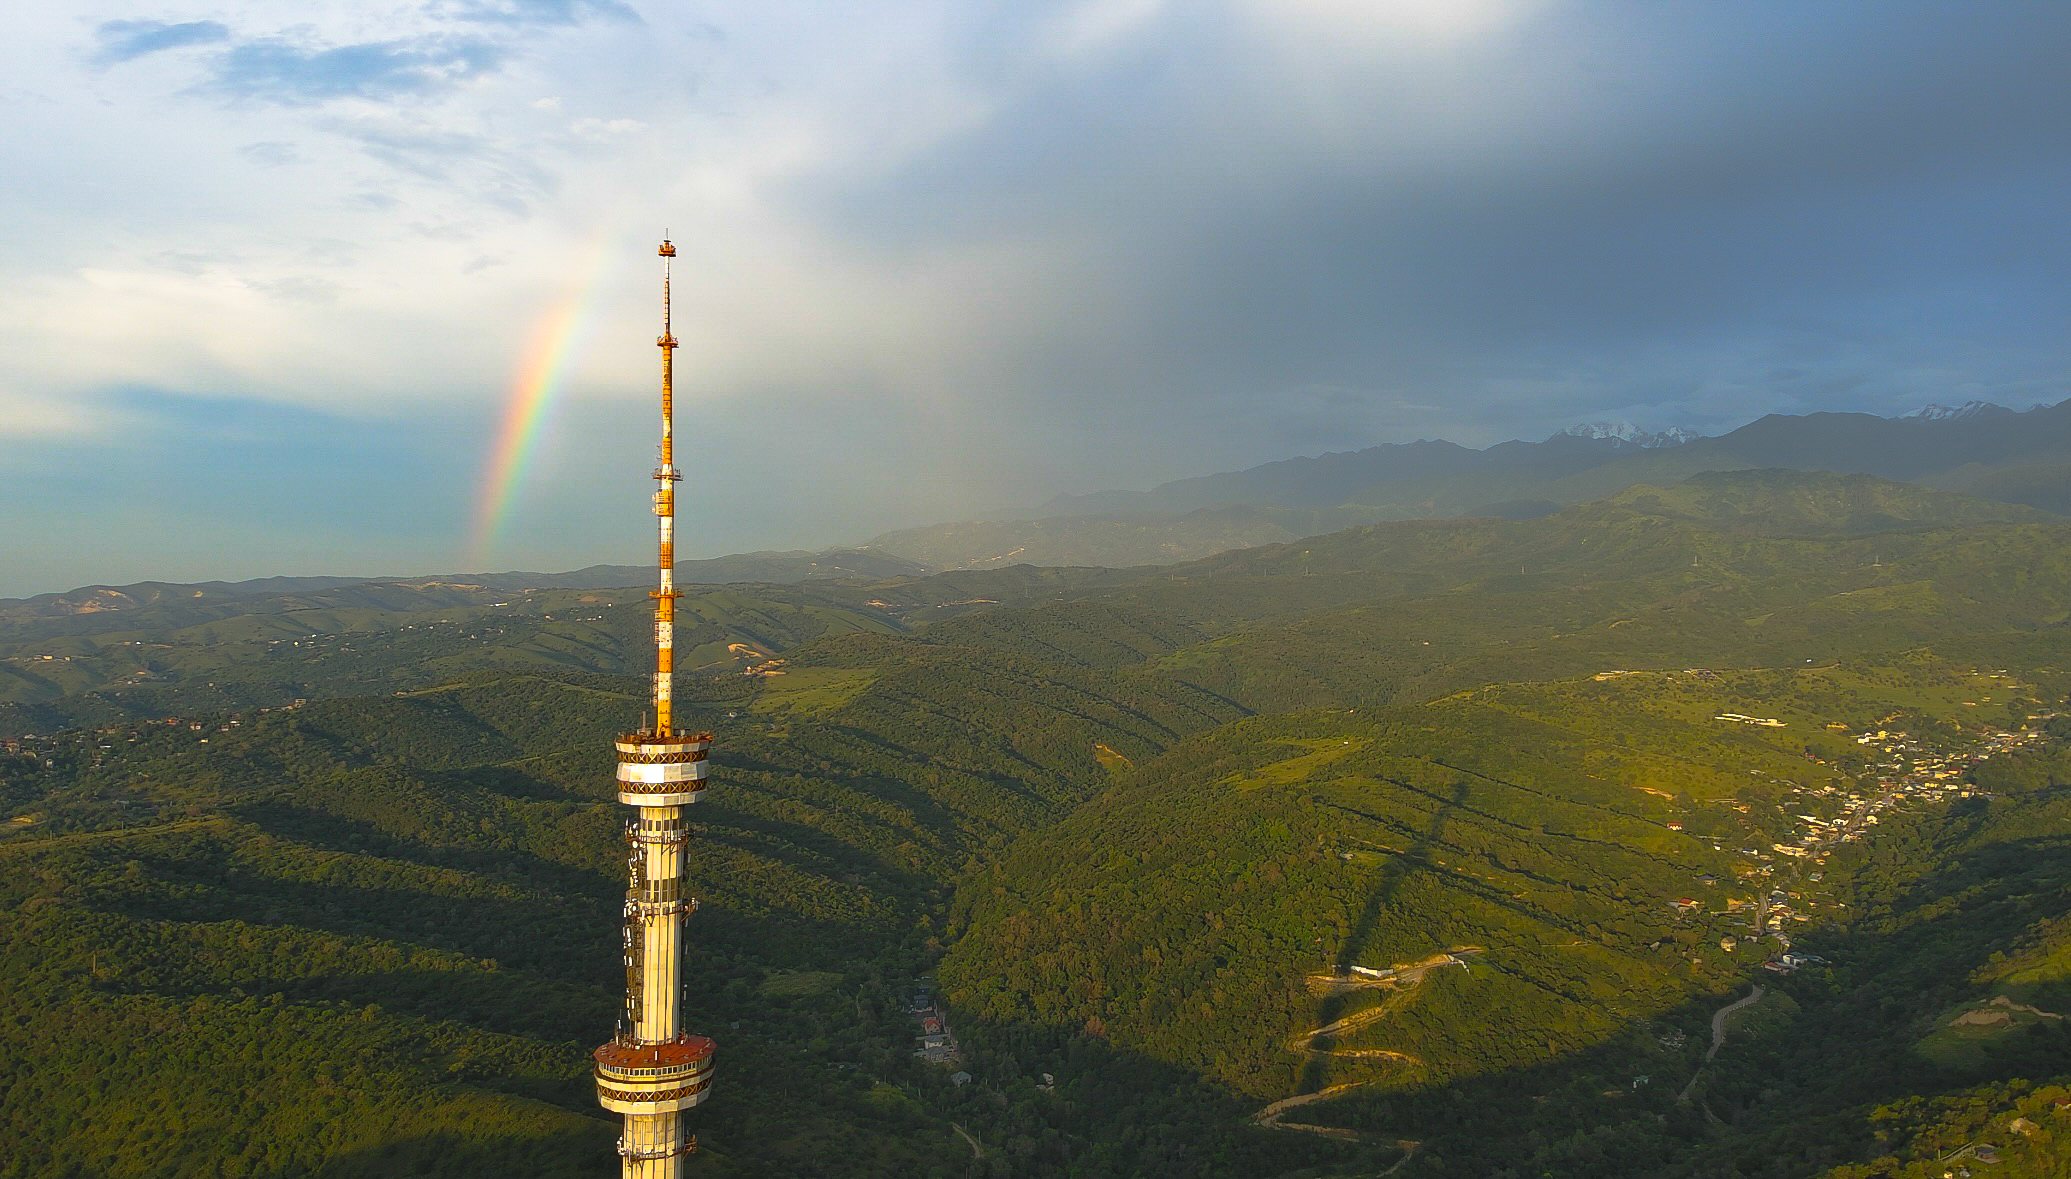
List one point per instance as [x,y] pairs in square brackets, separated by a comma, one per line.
[1432,845]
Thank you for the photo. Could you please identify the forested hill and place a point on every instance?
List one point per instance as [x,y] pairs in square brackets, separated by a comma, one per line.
[1440,846]
[159,605]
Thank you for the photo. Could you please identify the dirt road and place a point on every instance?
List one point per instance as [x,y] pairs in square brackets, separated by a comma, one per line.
[977,1151]
[1269,1117]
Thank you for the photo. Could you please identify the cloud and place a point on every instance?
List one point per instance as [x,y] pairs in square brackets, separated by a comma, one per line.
[29,421]
[489,171]
[279,71]
[533,12]
[1495,201]
[301,288]
[271,153]
[948,256]
[393,98]
[127,40]
[589,128]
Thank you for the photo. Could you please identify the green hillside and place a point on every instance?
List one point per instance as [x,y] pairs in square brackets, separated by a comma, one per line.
[363,639]
[1797,503]
[1088,540]
[1418,843]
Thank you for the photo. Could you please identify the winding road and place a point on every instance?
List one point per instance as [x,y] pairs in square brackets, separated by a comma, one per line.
[1270,1116]
[977,1151]
[1401,981]
[1718,1038]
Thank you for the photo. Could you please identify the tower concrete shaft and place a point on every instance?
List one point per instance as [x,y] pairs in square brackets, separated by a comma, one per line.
[653,1070]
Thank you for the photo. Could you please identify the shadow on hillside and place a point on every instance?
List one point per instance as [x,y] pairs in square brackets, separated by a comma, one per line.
[527,933]
[1782,1104]
[830,853]
[1790,1095]
[1315,1074]
[561,937]
[482,924]
[902,759]
[512,782]
[568,1155]
[929,811]
[333,832]
[504,1001]
[1118,1114]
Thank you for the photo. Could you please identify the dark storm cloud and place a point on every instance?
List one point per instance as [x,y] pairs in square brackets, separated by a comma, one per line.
[282,72]
[1607,208]
[963,256]
[127,40]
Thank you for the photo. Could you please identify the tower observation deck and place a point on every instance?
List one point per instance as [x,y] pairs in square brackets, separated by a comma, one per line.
[653,1070]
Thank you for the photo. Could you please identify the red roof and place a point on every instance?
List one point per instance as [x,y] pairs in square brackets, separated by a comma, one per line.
[679,1052]
[677,738]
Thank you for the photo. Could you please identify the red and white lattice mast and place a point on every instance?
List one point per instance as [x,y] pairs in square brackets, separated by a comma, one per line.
[653,1070]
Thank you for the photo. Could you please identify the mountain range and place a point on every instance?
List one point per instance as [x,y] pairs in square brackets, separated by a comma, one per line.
[1983,450]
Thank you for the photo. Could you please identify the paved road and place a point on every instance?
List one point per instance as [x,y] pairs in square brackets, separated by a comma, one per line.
[1718,1022]
[1718,1038]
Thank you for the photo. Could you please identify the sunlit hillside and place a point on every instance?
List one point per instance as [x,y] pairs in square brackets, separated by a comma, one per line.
[1437,846]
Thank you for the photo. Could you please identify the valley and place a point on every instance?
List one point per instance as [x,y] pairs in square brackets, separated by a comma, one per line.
[1430,847]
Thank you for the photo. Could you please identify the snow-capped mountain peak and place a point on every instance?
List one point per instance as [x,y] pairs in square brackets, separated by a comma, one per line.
[1952,413]
[1673,436]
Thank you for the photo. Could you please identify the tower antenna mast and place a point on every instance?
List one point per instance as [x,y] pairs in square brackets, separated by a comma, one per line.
[653,1070]
[665,507]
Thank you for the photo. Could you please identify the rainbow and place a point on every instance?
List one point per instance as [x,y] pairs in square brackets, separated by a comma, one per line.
[554,343]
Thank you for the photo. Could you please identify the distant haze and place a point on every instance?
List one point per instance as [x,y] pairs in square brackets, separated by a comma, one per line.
[267,276]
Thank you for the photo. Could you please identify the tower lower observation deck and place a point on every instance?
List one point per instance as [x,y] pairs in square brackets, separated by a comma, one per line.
[651,1084]
[654,1071]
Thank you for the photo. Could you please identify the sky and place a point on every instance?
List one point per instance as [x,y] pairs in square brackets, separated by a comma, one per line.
[370,288]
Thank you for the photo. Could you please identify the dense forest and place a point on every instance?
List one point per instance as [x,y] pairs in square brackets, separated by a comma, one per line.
[1445,847]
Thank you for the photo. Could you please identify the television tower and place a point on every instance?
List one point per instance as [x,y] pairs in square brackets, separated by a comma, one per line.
[653,1070]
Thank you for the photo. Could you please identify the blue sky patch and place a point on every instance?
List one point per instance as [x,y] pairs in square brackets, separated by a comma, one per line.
[127,40]
[292,75]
